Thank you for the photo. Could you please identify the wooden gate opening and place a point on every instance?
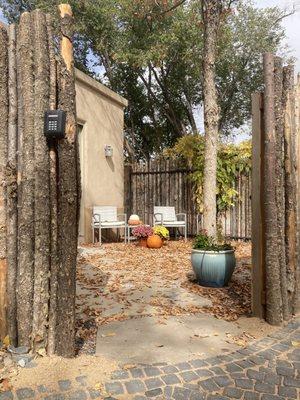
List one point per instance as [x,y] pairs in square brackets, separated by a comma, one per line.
[40,191]
[167,182]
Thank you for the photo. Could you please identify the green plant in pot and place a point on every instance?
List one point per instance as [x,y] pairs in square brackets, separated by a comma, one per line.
[162,232]
[213,261]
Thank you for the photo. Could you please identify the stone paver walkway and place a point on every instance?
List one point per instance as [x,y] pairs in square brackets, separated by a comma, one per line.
[268,369]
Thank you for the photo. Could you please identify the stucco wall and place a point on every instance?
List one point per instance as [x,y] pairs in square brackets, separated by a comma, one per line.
[100,113]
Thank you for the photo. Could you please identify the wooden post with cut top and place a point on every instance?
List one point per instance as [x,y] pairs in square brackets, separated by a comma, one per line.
[258,269]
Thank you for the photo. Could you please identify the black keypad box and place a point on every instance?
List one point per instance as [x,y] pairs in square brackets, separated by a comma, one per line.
[55,124]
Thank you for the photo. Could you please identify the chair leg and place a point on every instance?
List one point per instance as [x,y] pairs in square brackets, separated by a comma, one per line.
[125,237]
[185,233]
[93,234]
[100,238]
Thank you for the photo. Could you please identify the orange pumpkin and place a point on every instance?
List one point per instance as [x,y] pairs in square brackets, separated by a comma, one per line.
[154,242]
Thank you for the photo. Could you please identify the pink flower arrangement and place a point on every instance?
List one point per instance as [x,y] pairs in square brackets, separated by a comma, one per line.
[142,231]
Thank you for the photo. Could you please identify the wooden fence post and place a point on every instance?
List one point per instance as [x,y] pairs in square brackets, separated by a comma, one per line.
[25,279]
[258,267]
[297,140]
[280,184]
[53,196]
[11,188]
[290,179]
[127,189]
[273,290]
[68,194]
[3,156]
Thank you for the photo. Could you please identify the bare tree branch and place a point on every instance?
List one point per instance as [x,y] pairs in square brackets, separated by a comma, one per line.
[285,14]
[177,4]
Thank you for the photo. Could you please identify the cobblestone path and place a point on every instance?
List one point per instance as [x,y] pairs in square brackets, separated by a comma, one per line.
[268,369]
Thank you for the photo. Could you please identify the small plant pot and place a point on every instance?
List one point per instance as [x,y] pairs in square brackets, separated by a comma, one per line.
[154,242]
[213,268]
[134,222]
[142,242]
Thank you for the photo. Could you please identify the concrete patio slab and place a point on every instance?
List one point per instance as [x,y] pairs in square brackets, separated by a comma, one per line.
[150,340]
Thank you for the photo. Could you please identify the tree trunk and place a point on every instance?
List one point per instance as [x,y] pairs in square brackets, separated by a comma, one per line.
[53,198]
[273,291]
[67,196]
[280,195]
[25,277]
[211,10]
[3,156]
[290,182]
[11,187]
[41,189]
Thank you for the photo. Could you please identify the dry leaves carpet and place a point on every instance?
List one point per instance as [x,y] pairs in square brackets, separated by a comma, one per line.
[120,281]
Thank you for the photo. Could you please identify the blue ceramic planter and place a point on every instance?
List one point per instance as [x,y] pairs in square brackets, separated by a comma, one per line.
[213,268]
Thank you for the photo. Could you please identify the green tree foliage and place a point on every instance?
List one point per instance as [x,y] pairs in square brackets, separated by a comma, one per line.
[233,159]
[150,52]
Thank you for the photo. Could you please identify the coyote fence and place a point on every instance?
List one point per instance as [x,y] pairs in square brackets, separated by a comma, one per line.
[40,189]
[165,182]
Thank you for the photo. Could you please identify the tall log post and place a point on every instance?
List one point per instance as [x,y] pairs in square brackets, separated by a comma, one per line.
[3,156]
[297,130]
[53,197]
[68,194]
[273,290]
[280,192]
[290,181]
[25,277]
[257,225]
[41,187]
[11,187]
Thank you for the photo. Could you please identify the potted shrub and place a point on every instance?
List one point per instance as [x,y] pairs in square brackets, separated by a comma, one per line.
[142,232]
[213,261]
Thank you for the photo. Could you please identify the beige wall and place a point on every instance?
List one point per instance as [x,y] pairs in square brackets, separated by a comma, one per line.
[100,112]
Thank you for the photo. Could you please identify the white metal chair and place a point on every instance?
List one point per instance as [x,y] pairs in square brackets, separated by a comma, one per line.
[106,217]
[167,217]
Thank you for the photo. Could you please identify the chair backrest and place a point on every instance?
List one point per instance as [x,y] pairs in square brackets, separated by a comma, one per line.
[107,213]
[167,212]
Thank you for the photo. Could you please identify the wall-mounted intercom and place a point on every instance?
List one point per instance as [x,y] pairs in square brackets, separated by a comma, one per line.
[55,124]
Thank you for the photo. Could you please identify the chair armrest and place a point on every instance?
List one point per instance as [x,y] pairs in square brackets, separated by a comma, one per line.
[97,215]
[124,215]
[157,220]
[182,215]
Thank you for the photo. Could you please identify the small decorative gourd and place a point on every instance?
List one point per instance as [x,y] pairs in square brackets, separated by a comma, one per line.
[134,220]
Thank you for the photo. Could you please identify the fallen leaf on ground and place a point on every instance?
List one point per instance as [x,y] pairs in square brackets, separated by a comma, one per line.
[296,343]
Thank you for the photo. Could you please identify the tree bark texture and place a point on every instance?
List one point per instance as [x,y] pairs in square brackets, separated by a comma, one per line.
[68,198]
[40,179]
[273,290]
[53,196]
[3,155]
[297,130]
[26,213]
[211,10]
[290,181]
[280,192]
[11,187]
[41,193]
